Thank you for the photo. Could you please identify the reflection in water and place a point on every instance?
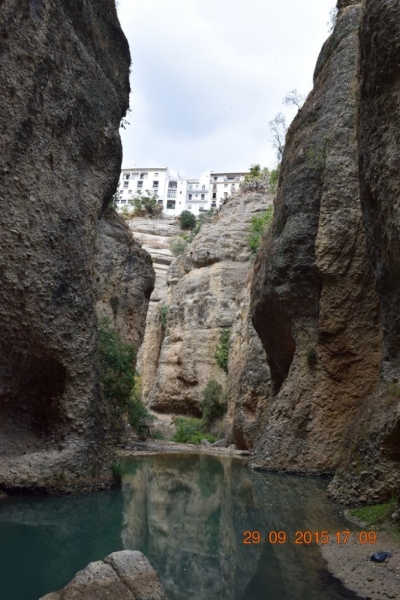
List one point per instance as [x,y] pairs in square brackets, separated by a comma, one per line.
[45,541]
[187,514]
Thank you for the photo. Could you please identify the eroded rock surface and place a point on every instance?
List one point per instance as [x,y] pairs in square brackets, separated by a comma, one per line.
[65,88]
[314,303]
[207,295]
[124,279]
[371,459]
[124,575]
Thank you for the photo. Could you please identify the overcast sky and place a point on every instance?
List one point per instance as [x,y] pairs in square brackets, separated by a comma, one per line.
[208,76]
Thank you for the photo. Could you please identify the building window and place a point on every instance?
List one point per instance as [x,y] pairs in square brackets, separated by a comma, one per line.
[197,185]
[230,178]
[190,197]
[123,200]
[225,185]
[159,201]
[196,195]
[171,194]
[214,195]
[189,206]
[140,184]
[155,174]
[155,184]
[213,204]
[190,187]
[143,175]
[130,192]
[203,196]
[214,186]
[215,178]
[232,186]
[180,192]
[225,194]
[126,176]
[203,187]
[126,184]
[201,208]
[135,175]
[170,204]
[172,184]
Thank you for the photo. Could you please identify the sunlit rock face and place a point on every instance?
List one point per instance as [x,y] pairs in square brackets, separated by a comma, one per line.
[208,292]
[155,235]
[65,88]
[314,303]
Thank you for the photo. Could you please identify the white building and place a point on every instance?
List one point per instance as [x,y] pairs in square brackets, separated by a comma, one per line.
[223,185]
[198,194]
[175,193]
[150,180]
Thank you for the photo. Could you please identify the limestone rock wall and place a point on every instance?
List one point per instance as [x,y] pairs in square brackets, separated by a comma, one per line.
[207,294]
[155,236]
[370,466]
[124,278]
[313,298]
[65,88]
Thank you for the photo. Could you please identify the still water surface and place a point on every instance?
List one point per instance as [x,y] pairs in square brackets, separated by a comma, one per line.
[187,513]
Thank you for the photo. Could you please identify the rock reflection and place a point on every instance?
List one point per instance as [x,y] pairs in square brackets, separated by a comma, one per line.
[187,514]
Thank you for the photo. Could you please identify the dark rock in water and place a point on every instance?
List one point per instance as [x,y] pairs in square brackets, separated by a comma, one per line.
[380,556]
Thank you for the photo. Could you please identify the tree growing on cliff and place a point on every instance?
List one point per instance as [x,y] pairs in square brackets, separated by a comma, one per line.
[279,128]
[294,98]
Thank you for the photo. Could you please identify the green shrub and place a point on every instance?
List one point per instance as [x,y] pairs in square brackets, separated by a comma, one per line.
[138,413]
[177,246]
[187,219]
[258,225]
[214,404]
[190,431]
[222,349]
[164,316]
[117,372]
[146,205]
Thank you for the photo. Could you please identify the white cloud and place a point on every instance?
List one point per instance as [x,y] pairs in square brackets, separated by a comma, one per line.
[208,76]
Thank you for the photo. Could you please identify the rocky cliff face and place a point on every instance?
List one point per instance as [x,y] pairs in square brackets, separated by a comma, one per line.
[155,235]
[65,86]
[324,288]
[371,459]
[124,278]
[207,295]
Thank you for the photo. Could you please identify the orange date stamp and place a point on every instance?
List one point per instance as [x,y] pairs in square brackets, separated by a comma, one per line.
[309,537]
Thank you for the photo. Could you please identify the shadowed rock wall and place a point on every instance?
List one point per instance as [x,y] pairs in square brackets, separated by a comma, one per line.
[124,278]
[372,455]
[313,298]
[65,88]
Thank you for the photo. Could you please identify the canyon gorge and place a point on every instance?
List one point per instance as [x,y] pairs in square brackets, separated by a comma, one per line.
[312,380]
